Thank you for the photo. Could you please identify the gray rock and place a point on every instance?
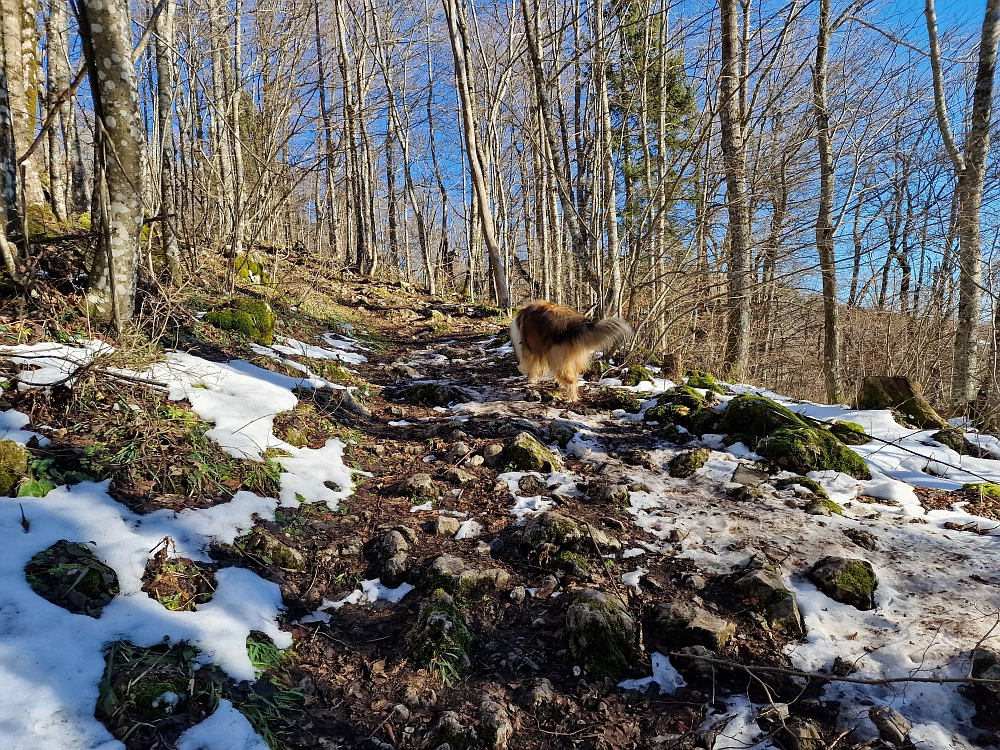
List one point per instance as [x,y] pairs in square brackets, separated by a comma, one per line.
[551,530]
[695,670]
[983,659]
[992,673]
[403,370]
[560,432]
[449,729]
[525,453]
[348,547]
[446,526]
[748,476]
[846,580]
[783,615]
[456,577]
[682,623]
[892,726]
[396,411]
[615,494]
[436,394]
[779,603]
[862,538]
[802,734]
[420,486]
[459,477]
[458,451]
[495,727]
[517,594]
[391,545]
[476,460]
[277,551]
[760,584]
[409,534]
[394,570]
[745,494]
[538,697]
[601,633]
[399,713]
[491,454]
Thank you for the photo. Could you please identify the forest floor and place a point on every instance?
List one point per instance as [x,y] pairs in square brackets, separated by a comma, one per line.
[266,532]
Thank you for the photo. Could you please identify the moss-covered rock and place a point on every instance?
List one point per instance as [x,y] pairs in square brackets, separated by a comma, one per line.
[273,549]
[686,407]
[550,530]
[616,398]
[254,318]
[455,576]
[810,484]
[636,374]
[686,463]
[601,634]
[703,380]
[823,506]
[525,453]
[850,433]
[440,633]
[986,488]
[596,370]
[846,580]
[780,605]
[13,466]
[956,440]
[683,396]
[571,563]
[247,267]
[753,417]
[804,449]
[674,625]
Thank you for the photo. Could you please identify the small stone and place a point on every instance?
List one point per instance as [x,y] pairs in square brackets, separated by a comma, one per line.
[394,570]
[446,526]
[525,453]
[892,726]
[280,553]
[492,453]
[392,544]
[411,696]
[862,538]
[400,713]
[745,493]
[613,494]
[748,476]
[683,623]
[459,477]
[517,594]
[420,486]
[457,452]
[686,463]
[449,729]
[475,460]
[532,396]
[539,696]
[802,734]
[846,580]
[694,581]
[495,727]
[459,435]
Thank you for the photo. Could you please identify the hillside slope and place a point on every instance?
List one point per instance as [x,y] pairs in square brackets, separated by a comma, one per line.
[369,534]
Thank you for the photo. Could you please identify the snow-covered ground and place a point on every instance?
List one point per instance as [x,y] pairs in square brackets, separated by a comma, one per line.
[937,593]
[51,660]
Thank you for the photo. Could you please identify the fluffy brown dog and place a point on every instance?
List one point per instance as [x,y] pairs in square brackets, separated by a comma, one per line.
[557,339]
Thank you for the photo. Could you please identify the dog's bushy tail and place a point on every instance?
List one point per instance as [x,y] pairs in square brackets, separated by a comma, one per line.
[603,335]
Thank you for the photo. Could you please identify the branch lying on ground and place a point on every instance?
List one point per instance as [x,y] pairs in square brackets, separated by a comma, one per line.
[752,669]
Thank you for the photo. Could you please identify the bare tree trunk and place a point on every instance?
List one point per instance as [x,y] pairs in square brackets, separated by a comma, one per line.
[57,31]
[165,84]
[970,169]
[734,157]
[824,221]
[331,207]
[458,47]
[105,28]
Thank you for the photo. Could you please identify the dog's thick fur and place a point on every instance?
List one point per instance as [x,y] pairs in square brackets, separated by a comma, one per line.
[557,339]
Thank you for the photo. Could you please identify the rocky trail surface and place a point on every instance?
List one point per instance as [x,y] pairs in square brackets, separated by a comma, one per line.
[475,564]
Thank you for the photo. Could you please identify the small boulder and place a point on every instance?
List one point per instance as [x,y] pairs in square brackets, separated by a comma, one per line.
[677,624]
[892,726]
[550,530]
[539,697]
[613,399]
[454,575]
[804,449]
[446,526]
[449,730]
[752,417]
[436,394]
[610,494]
[801,734]
[439,630]
[560,432]
[267,546]
[686,463]
[601,633]
[862,538]
[748,476]
[846,580]
[636,374]
[492,454]
[420,486]
[495,727]
[525,453]
[459,477]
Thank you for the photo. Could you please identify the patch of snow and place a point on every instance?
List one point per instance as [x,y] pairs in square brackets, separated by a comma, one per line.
[741,731]
[11,422]
[400,423]
[429,505]
[469,530]
[370,592]
[226,729]
[634,552]
[632,579]
[665,675]
[55,362]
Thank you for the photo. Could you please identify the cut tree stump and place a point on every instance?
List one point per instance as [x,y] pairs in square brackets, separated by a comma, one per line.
[903,395]
[672,367]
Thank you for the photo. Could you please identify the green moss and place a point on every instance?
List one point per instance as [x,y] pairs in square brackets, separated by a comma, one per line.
[601,635]
[636,374]
[956,440]
[804,449]
[687,463]
[986,488]
[439,633]
[148,690]
[810,484]
[756,416]
[83,221]
[682,396]
[703,380]
[850,433]
[251,317]
[551,530]
[616,398]
[41,220]
[820,505]
[857,578]
[13,466]
[571,563]
[596,370]
[246,267]
[525,453]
